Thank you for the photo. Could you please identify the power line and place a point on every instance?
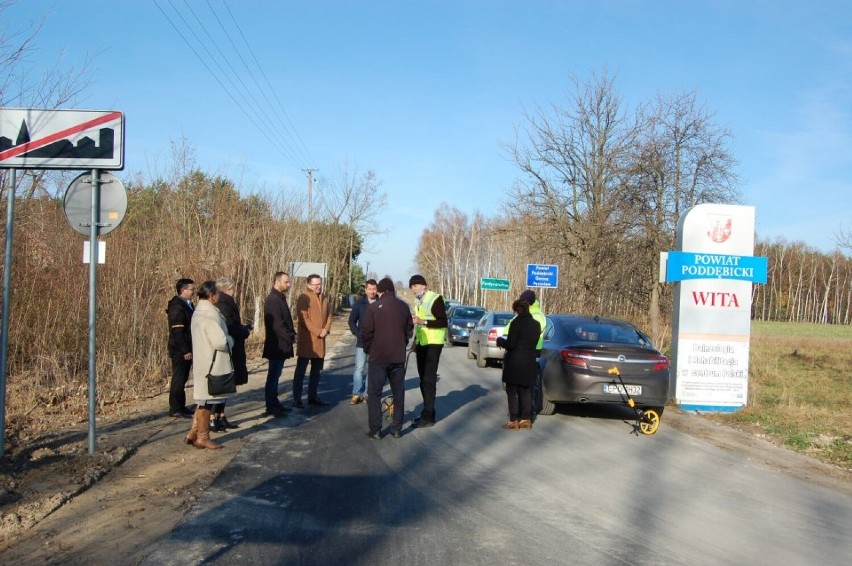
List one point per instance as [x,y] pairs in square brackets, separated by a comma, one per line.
[257,113]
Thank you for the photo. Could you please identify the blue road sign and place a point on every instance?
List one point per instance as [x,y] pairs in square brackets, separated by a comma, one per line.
[546,276]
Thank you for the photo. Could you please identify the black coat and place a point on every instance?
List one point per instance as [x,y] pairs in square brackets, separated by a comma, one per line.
[239,332]
[519,363]
[387,330]
[278,323]
[180,330]
[357,317]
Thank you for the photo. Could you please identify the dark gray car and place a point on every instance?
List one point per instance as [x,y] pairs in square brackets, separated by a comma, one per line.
[460,321]
[578,354]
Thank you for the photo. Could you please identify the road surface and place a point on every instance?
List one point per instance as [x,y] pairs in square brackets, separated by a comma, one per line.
[576,489]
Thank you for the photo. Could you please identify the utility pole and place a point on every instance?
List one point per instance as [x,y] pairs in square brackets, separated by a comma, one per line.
[310,173]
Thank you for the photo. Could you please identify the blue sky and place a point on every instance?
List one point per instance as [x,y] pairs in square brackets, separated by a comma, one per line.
[424,93]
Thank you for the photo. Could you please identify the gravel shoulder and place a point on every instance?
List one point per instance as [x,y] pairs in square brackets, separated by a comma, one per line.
[66,506]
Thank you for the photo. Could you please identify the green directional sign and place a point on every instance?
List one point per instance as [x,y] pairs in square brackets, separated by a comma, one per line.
[494,284]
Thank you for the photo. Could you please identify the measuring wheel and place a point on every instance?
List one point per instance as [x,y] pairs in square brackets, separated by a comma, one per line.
[649,422]
[387,407]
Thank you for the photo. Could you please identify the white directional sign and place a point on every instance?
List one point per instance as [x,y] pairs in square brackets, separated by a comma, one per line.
[61,139]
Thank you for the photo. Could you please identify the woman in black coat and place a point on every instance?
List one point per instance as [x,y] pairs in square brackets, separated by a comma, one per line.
[239,332]
[519,364]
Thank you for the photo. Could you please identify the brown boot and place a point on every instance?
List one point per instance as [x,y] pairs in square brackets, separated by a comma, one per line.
[203,440]
[193,432]
[525,423]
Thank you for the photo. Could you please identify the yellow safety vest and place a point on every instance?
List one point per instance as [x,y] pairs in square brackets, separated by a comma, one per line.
[423,309]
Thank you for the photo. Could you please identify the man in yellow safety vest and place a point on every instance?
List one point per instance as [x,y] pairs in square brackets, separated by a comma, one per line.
[430,319]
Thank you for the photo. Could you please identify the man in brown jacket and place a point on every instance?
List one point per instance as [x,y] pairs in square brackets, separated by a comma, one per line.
[314,324]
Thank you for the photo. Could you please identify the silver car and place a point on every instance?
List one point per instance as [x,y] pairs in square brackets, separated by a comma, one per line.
[482,343]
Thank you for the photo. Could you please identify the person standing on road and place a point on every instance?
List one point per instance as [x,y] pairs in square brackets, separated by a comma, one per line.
[430,318]
[314,324]
[356,321]
[179,313]
[212,355]
[519,364]
[536,312]
[385,333]
[238,331]
[278,343]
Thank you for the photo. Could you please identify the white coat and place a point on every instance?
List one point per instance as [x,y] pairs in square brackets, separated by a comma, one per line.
[209,334]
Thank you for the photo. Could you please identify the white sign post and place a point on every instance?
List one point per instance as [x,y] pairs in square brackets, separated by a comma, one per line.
[35,138]
[713,271]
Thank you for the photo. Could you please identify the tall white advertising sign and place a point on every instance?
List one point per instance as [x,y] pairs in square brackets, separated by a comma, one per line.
[713,270]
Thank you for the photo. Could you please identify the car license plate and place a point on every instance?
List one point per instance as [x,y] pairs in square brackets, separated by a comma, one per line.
[617,389]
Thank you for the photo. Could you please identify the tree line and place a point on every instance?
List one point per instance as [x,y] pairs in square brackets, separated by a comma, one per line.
[191,224]
[601,192]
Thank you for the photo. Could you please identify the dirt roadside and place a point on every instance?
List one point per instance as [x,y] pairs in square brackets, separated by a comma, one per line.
[72,508]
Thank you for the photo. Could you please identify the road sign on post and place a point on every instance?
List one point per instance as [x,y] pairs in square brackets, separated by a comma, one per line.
[32,138]
[494,284]
[546,276]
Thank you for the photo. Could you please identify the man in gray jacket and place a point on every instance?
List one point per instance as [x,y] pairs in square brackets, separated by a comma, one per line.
[385,334]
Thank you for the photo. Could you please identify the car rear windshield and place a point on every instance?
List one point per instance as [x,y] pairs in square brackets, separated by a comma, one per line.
[502,319]
[461,312]
[602,332]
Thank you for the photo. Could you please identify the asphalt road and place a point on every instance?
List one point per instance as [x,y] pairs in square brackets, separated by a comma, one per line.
[577,489]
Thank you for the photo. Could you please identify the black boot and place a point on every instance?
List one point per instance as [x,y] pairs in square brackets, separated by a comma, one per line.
[216,425]
[228,424]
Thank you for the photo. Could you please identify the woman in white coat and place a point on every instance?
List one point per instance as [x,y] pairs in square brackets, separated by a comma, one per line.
[209,336]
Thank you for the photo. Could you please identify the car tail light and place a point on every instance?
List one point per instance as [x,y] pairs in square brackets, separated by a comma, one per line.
[574,358]
[492,335]
[661,363]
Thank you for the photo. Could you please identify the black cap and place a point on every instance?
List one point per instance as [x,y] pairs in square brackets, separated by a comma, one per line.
[416,280]
[528,296]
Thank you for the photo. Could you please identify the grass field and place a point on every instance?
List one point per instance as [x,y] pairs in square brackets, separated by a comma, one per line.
[800,388]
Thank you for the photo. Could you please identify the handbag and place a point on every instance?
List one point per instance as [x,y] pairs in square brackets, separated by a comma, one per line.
[222,383]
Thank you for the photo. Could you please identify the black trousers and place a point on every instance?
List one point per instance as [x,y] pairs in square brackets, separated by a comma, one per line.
[377,375]
[428,357]
[313,379]
[519,401]
[177,387]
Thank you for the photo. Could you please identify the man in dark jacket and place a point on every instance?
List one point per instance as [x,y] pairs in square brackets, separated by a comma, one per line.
[385,334]
[179,313]
[356,320]
[278,344]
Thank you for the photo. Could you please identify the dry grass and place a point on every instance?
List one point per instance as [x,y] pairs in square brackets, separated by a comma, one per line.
[800,388]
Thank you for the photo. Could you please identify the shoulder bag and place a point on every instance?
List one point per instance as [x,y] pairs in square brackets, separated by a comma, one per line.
[220,384]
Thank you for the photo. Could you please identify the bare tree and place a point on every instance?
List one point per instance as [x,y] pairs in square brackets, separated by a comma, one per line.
[575,162]
[682,160]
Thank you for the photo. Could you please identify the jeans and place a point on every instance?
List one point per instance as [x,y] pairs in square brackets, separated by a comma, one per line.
[270,391]
[377,375]
[358,385]
[313,381]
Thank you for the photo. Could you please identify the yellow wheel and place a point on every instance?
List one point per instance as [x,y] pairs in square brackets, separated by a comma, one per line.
[387,407]
[650,421]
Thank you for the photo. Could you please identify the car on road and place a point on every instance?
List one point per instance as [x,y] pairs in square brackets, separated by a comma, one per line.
[578,357]
[460,321]
[482,343]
